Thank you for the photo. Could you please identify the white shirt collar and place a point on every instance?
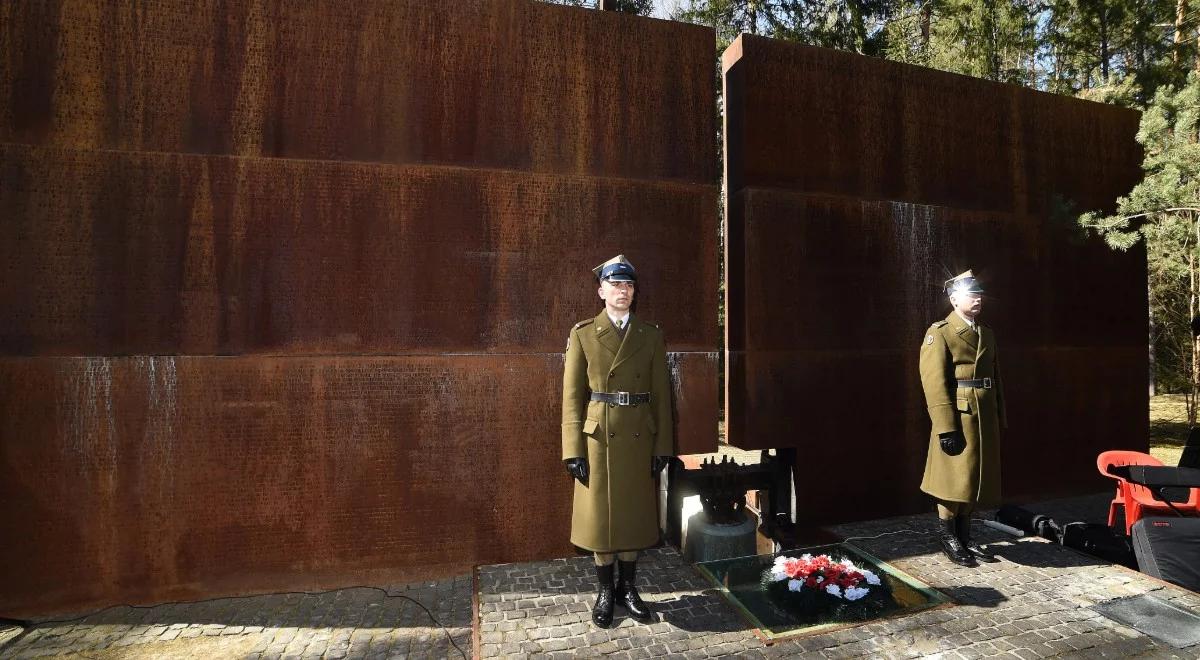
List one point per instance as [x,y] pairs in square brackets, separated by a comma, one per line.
[623,319]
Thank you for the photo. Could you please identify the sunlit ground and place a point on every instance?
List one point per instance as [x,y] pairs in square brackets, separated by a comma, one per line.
[1168,427]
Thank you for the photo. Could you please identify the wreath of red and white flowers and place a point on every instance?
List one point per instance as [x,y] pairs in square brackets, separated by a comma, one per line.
[842,579]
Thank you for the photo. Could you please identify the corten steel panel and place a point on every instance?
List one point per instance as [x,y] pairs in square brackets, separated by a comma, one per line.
[835,276]
[384,213]
[827,121]
[838,294]
[123,253]
[510,84]
[861,452]
[855,187]
[838,273]
[158,478]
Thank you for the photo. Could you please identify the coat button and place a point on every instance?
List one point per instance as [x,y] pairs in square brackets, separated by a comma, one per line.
[612,405]
[612,435]
[611,374]
[637,435]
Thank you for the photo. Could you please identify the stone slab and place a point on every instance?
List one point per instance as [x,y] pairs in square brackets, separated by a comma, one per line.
[1156,618]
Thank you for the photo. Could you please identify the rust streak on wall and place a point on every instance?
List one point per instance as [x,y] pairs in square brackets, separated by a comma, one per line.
[287,284]
[855,187]
[512,84]
[140,252]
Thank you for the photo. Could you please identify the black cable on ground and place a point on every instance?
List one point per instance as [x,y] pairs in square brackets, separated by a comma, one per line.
[29,626]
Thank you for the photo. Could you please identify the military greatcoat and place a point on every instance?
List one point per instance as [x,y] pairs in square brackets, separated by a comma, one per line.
[618,509]
[952,351]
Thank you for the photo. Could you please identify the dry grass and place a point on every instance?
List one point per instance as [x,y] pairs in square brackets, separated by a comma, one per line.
[1168,427]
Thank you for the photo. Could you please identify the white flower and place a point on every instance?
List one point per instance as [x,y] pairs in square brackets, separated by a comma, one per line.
[795,585]
[780,560]
[833,590]
[871,578]
[778,573]
[806,556]
[854,593]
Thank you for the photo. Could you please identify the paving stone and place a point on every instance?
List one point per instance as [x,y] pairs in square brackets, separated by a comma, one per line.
[1034,603]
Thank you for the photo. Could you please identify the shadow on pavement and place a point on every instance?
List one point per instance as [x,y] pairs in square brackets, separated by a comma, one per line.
[700,613]
[972,595]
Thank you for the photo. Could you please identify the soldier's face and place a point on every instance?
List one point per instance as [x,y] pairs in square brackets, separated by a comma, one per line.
[967,304]
[617,296]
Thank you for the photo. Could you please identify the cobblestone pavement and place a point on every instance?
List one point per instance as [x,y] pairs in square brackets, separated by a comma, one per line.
[1035,603]
[346,623]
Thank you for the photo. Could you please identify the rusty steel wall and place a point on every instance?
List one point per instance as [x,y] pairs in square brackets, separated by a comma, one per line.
[855,187]
[286,285]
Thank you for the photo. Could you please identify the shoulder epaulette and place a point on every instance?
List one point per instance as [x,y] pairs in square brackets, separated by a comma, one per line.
[583,323]
[941,323]
[652,325]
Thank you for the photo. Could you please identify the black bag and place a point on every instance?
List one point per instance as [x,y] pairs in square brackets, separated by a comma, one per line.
[1035,524]
[1100,541]
[1191,451]
[1169,549]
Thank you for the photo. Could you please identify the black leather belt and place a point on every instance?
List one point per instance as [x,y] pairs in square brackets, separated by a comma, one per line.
[985,383]
[621,398]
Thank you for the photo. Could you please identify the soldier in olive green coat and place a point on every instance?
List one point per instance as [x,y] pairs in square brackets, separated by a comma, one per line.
[965,397]
[616,436]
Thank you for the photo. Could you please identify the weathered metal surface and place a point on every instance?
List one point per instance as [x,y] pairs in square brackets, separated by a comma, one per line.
[286,285]
[152,476]
[488,83]
[843,226]
[122,253]
[824,121]
[159,478]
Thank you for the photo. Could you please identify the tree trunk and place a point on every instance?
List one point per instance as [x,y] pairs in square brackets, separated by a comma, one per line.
[1150,308]
[1103,19]
[752,15]
[1181,9]
[926,16]
[1197,62]
[1194,282]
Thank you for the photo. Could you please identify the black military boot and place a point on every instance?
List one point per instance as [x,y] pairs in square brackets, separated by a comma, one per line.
[602,611]
[627,593]
[953,548]
[962,525]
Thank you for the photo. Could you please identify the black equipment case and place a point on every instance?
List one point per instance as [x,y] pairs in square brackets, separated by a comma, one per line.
[1169,549]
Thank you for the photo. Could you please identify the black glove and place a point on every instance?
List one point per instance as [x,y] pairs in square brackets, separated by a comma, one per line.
[953,443]
[578,468]
[658,463]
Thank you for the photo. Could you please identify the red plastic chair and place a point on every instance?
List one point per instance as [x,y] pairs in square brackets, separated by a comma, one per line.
[1137,500]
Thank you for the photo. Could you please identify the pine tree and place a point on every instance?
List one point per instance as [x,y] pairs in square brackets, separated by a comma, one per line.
[992,40]
[639,7]
[1164,211]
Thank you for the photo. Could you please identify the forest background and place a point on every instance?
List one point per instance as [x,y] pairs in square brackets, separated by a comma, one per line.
[1142,54]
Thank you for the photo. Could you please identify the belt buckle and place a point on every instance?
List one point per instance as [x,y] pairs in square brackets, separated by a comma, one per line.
[622,398]
[987,383]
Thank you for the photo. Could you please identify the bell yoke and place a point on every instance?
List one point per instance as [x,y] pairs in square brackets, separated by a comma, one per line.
[616,437]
